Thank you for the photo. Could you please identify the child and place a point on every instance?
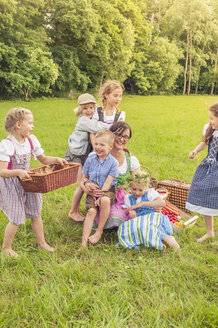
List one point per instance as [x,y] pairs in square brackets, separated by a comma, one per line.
[15,154]
[203,193]
[145,227]
[111,93]
[99,172]
[79,144]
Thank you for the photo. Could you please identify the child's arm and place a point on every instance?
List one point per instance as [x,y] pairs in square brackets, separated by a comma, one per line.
[51,160]
[107,184]
[92,139]
[5,173]
[157,202]
[202,145]
[87,186]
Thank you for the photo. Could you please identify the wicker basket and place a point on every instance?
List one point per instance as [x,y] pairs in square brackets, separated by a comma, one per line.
[43,182]
[178,191]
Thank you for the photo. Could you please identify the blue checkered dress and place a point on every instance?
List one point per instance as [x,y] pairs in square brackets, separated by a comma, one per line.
[204,188]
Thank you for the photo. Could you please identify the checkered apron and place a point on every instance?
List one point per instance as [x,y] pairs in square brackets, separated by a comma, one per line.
[204,188]
[14,201]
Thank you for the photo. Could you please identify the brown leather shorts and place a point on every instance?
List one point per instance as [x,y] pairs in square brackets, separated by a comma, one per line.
[111,194]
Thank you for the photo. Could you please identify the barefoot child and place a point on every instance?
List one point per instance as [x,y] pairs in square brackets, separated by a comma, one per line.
[145,226]
[111,93]
[99,172]
[15,154]
[80,146]
[203,193]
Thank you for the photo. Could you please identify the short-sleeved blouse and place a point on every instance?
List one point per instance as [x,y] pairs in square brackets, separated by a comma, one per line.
[134,164]
[10,146]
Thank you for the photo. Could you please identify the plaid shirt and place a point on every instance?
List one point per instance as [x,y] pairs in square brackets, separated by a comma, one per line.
[99,171]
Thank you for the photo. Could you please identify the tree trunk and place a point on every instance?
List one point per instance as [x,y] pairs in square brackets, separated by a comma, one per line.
[198,76]
[186,65]
[26,93]
[190,66]
[215,68]
[151,27]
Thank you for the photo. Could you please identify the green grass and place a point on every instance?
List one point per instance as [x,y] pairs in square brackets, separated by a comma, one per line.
[104,286]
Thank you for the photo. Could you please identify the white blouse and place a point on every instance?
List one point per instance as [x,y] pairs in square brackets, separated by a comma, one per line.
[152,194]
[9,147]
[134,164]
[110,119]
[215,133]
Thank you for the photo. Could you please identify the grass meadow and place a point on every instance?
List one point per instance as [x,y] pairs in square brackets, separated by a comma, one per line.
[104,286]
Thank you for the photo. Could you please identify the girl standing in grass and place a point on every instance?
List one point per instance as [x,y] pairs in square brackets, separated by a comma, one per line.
[203,193]
[145,227]
[15,154]
[111,94]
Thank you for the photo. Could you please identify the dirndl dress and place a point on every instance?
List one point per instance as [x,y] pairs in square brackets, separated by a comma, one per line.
[148,230]
[17,204]
[203,193]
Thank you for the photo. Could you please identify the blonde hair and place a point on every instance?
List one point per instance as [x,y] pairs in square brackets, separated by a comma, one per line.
[210,130]
[78,110]
[107,88]
[15,115]
[107,134]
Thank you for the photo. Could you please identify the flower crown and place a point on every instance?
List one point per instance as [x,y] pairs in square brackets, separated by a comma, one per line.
[141,178]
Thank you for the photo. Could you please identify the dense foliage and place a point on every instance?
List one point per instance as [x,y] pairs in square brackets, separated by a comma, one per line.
[152,46]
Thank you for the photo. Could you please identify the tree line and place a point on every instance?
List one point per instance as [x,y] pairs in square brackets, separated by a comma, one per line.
[152,46]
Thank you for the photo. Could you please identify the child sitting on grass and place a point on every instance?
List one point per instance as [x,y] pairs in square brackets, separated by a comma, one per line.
[99,172]
[145,226]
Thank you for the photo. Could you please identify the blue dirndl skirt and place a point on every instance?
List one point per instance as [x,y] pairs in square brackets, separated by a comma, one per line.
[204,187]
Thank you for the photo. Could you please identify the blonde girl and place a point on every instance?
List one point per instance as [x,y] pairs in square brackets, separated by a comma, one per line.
[15,154]
[111,94]
[145,226]
[203,193]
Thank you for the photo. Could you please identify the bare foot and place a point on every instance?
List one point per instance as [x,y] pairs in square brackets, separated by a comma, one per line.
[76,216]
[46,247]
[164,247]
[10,252]
[206,236]
[95,238]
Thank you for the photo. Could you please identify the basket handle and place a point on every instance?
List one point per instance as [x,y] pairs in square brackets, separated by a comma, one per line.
[176,180]
[147,168]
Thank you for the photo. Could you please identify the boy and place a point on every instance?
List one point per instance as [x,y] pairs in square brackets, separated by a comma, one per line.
[99,172]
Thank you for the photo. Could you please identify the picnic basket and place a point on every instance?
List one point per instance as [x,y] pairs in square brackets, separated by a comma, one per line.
[50,177]
[178,191]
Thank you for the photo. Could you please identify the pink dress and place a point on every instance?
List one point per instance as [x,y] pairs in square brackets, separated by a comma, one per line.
[117,215]
[17,204]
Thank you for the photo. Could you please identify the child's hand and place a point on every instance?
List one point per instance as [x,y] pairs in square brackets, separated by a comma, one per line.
[22,174]
[98,202]
[192,154]
[91,186]
[132,214]
[134,207]
[59,160]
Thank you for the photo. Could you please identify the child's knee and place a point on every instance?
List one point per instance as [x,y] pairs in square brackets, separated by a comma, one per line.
[105,201]
[91,211]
